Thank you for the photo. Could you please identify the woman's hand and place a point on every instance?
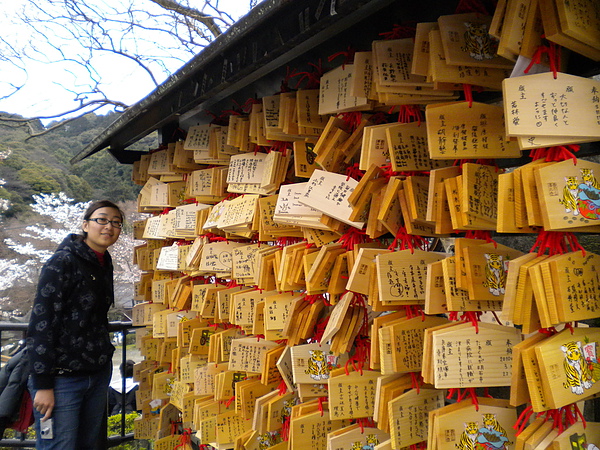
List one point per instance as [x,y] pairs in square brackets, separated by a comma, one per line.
[44,402]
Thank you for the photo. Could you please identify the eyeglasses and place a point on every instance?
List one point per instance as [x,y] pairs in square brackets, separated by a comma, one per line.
[104,221]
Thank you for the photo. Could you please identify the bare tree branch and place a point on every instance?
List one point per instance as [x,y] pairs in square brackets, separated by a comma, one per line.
[95,42]
[193,13]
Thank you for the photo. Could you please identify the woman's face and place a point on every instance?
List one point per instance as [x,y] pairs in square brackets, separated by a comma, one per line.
[100,237]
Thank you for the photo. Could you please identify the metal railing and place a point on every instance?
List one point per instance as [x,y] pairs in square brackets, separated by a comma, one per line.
[15,333]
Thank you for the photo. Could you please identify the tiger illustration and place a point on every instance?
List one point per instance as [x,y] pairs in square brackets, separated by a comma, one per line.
[495,273]
[266,440]
[478,43]
[569,199]
[579,376]
[356,446]
[579,442]
[286,411]
[588,195]
[588,178]
[310,154]
[318,369]
[468,436]
[490,422]
[372,441]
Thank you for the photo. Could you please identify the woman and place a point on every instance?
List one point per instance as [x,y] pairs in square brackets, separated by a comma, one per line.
[68,342]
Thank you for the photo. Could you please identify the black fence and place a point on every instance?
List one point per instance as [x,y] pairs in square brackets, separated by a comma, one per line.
[13,334]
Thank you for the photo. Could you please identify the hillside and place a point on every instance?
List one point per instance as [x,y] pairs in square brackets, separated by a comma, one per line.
[41,164]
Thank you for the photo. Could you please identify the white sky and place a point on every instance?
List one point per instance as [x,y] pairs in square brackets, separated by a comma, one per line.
[43,94]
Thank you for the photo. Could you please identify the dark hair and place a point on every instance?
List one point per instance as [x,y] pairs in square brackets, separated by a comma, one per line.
[127,369]
[100,204]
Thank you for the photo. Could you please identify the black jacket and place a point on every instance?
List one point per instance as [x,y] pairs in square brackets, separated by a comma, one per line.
[13,382]
[68,329]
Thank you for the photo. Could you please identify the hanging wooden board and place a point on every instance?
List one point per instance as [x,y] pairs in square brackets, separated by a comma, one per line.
[585,434]
[576,282]
[408,414]
[458,299]
[486,268]
[375,146]
[570,196]
[312,363]
[407,342]
[401,276]
[356,437]
[328,192]
[526,312]
[569,367]
[379,322]
[310,430]
[480,191]
[507,222]
[466,41]
[390,214]
[393,61]
[489,355]
[363,272]
[420,61]
[529,102]
[510,291]
[352,395]
[437,176]
[514,28]
[443,72]
[388,388]
[580,21]
[554,32]
[528,432]
[435,291]
[230,425]
[534,29]
[519,390]
[545,300]
[334,92]
[457,131]
[488,421]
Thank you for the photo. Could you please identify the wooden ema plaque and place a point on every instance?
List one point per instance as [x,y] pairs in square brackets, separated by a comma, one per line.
[542,105]
[579,433]
[576,285]
[409,415]
[568,196]
[457,131]
[352,395]
[486,270]
[356,437]
[467,358]
[311,430]
[459,32]
[569,366]
[443,72]
[313,363]
[248,354]
[401,276]
[461,424]
[401,343]
[580,21]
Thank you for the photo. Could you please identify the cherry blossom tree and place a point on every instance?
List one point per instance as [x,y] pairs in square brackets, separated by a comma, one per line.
[35,243]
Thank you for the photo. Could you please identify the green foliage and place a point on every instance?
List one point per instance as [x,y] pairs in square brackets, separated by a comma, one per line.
[114,429]
[36,177]
[42,164]
[80,187]
[9,433]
